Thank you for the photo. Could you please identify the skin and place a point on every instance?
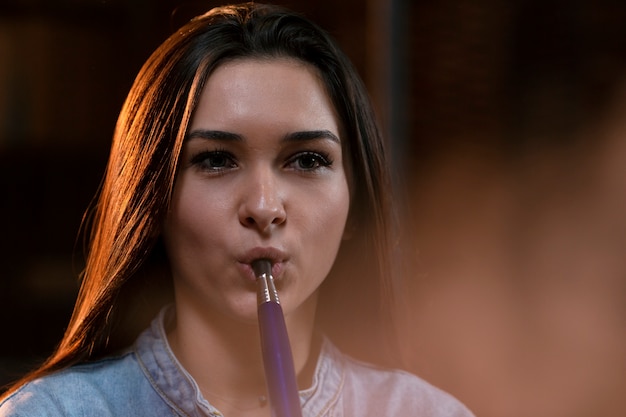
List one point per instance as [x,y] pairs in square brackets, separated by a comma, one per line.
[261,175]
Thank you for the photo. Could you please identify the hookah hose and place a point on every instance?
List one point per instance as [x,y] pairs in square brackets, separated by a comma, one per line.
[280,375]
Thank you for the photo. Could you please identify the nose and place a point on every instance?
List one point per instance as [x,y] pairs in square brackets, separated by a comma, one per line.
[262,206]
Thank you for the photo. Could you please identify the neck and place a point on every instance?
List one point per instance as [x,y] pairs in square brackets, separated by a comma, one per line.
[224,355]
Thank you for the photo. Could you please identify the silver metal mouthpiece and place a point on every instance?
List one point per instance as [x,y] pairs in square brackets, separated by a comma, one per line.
[266,290]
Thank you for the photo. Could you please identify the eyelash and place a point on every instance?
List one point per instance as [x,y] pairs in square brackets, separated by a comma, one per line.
[200,160]
[317,158]
[320,159]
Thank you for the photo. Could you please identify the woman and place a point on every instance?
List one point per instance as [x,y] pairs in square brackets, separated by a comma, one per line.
[246,135]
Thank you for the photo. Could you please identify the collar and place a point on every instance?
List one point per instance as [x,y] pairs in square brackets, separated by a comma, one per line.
[177,387]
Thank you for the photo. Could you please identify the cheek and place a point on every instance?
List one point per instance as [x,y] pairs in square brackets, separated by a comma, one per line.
[331,218]
[192,213]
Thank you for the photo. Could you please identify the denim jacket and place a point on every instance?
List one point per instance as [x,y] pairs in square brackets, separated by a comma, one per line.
[148,381]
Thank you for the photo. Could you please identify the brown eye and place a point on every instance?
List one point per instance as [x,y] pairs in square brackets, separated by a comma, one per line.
[214,160]
[310,161]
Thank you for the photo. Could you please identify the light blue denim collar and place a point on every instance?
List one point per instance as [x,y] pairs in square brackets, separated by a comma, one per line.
[177,388]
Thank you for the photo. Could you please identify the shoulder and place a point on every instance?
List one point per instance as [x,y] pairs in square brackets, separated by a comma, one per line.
[91,389]
[385,391]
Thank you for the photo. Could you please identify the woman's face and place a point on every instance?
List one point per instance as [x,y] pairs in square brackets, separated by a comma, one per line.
[261,175]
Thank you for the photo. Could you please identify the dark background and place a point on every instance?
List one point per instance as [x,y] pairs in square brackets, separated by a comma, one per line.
[508,127]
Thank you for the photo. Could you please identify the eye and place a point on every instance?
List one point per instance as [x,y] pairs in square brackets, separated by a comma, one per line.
[309,161]
[214,161]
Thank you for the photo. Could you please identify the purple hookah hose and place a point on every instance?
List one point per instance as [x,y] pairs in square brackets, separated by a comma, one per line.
[280,374]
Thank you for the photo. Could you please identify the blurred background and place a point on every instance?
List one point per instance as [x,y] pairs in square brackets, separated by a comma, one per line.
[508,127]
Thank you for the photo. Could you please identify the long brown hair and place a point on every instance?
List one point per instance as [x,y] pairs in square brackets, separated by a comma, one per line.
[124,245]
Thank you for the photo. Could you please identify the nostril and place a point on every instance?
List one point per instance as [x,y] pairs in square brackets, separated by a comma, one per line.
[278,219]
[263,224]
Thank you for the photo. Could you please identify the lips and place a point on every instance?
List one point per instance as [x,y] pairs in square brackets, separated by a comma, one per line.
[276,256]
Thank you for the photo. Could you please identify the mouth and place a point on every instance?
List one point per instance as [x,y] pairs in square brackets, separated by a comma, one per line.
[276,257]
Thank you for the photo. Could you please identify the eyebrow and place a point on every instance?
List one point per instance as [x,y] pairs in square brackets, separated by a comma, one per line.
[213,135]
[304,135]
[311,135]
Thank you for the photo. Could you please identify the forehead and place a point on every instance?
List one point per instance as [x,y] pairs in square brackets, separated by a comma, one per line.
[268,90]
